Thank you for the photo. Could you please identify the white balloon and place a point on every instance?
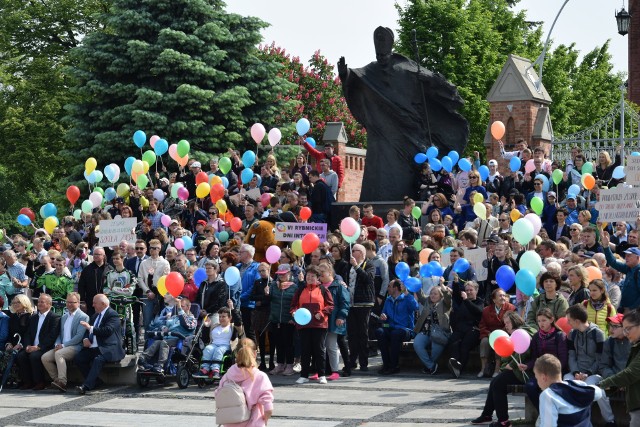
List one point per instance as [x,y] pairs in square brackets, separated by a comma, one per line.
[535,221]
[96,199]
[274,136]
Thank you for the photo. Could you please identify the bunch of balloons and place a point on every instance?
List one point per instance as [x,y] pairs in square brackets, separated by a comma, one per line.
[350,230]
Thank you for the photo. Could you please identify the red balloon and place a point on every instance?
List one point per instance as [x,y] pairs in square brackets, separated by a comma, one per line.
[202,177]
[174,283]
[563,323]
[310,243]
[28,212]
[217,192]
[503,346]
[305,213]
[73,194]
[236,224]
[265,199]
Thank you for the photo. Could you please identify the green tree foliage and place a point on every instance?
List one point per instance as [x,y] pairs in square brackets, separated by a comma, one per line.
[184,69]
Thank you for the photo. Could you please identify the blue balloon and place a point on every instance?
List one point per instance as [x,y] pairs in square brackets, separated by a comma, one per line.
[461,265]
[199,276]
[425,270]
[188,243]
[302,316]
[618,172]
[435,164]
[454,156]
[420,158]
[635,153]
[49,209]
[413,284]
[505,276]
[436,268]
[574,189]
[432,152]
[109,172]
[514,164]
[464,165]
[447,250]
[139,138]
[402,270]
[303,126]
[311,142]
[259,180]
[223,236]
[545,181]
[246,175]
[225,182]
[110,194]
[24,220]
[248,159]
[447,163]
[526,282]
[129,163]
[160,147]
[232,276]
[484,172]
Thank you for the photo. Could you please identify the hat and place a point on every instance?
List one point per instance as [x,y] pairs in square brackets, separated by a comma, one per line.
[202,222]
[493,238]
[328,144]
[633,251]
[119,200]
[195,165]
[616,320]
[284,269]
[551,194]
[571,197]
[493,162]
[174,221]
[164,180]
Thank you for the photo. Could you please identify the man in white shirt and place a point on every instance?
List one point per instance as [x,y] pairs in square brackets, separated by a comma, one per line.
[68,342]
[385,250]
[150,271]
[329,176]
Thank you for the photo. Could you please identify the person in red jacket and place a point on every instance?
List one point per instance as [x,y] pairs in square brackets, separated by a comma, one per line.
[318,300]
[336,161]
[492,319]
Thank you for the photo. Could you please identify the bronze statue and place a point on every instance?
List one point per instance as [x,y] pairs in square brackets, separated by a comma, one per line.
[405,109]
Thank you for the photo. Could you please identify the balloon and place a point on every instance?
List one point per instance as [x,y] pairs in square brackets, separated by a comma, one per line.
[77,214]
[497,130]
[461,265]
[97,176]
[588,181]
[109,173]
[183,147]
[139,138]
[99,190]
[296,247]
[481,210]
[174,283]
[349,226]
[165,220]
[173,152]
[515,214]
[23,220]
[29,213]
[110,194]
[420,158]
[351,239]
[158,194]
[96,199]
[454,156]
[413,284]
[545,181]
[248,158]
[231,276]
[149,156]
[199,276]
[161,285]
[478,198]
[302,126]
[522,231]
[618,172]
[305,213]
[142,181]
[128,164]
[484,172]
[73,194]
[424,255]
[530,260]
[235,224]
[202,190]
[416,212]
[425,270]
[447,163]
[222,206]
[402,270]
[526,282]
[563,323]
[174,189]
[122,190]
[535,221]
[217,192]
[311,141]
[464,165]
[587,168]
[432,152]
[246,175]
[436,269]
[179,243]
[225,163]
[594,273]
[493,336]
[310,243]
[225,182]
[521,341]
[514,164]
[503,346]
[48,209]
[302,316]
[137,166]
[257,132]
[90,164]
[161,147]
[417,244]
[223,236]
[153,140]
[183,193]
[202,177]
[574,189]
[188,243]
[506,277]
[274,136]
[51,223]
[144,202]
[529,166]
[537,205]
[557,176]
[273,254]
[435,164]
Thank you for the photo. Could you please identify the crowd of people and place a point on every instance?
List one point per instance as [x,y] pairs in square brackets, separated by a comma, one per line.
[357,292]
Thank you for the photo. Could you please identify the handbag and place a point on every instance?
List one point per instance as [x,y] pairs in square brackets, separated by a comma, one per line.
[439,335]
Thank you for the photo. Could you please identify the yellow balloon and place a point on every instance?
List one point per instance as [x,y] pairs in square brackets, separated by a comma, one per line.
[480,209]
[145,166]
[137,167]
[162,288]
[90,165]
[144,202]
[222,206]
[202,191]
[478,198]
[50,223]
[515,215]
[296,247]
[215,179]
[122,190]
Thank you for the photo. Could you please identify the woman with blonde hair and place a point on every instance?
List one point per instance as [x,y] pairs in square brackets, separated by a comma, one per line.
[579,282]
[599,307]
[604,167]
[272,165]
[255,384]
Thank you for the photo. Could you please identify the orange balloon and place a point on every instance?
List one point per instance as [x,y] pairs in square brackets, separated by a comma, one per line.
[515,215]
[215,179]
[424,255]
[594,273]
[236,224]
[497,129]
[202,177]
[589,182]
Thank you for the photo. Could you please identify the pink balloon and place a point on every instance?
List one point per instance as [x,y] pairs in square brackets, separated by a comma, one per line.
[183,193]
[535,221]
[153,140]
[521,341]
[349,226]
[274,136]
[273,254]
[265,199]
[529,166]
[257,132]
[179,243]
[173,152]
[165,220]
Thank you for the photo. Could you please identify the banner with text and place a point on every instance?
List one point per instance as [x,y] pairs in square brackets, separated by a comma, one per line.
[290,231]
[618,204]
[632,170]
[113,231]
[476,257]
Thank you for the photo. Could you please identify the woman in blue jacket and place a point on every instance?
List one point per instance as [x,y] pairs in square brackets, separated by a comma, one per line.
[338,320]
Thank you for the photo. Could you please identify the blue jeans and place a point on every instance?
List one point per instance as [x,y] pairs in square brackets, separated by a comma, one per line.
[390,343]
[147,311]
[420,344]
[214,352]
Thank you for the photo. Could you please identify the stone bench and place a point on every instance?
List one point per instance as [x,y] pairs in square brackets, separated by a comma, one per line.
[113,373]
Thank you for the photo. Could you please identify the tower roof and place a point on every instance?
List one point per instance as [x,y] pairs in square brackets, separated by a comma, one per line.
[516,83]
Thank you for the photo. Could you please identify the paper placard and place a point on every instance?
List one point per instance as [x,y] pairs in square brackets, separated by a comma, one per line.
[632,170]
[290,231]
[476,258]
[618,204]
[113,231]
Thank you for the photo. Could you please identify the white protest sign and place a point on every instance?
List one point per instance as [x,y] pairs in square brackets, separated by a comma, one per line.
[477,258]
[632,170]
[113,231]
[290,231]
[618,204]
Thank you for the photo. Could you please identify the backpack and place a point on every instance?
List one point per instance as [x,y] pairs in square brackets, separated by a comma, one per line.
[231,404]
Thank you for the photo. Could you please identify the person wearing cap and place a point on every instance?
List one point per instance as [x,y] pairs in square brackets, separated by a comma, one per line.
[572,209]
[494,181]
[232,178]
[189,179]
[198,234]
[630,298]
[616,349]
[336,161]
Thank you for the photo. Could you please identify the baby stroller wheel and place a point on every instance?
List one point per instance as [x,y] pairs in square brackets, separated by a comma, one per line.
[201,383]
[183,376]
[143,380]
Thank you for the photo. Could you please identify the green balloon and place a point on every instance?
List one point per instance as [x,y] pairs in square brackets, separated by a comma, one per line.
[183,148]
[557,176]
[225,164]
[149,156]
[174,189]
[87,206]
[416,212]
[142,181]
[77,214]
[537,205]
[587,168]
[1,235]
[99,190]
[418,245]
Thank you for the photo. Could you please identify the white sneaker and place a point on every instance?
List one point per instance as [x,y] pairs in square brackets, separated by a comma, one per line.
[480,374]
[297,367]
[303,380]
[322,380]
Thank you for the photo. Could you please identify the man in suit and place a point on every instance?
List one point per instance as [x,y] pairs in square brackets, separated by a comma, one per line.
[44,327]
[133,265]
[68,343]
[91,278]
[102,343]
